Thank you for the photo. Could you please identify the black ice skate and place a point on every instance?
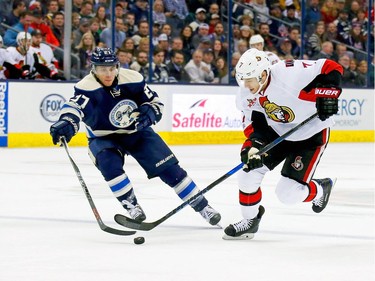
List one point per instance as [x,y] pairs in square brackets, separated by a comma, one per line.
[211,215]
[135,211]
[245,228]
[319,204]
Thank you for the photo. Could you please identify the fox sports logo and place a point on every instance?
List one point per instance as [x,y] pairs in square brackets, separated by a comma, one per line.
[120,114]
[50,107]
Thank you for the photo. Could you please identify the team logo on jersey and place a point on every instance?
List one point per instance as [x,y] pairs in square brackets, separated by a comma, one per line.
[251,102]
[277,113]
[297,164]
[120,114]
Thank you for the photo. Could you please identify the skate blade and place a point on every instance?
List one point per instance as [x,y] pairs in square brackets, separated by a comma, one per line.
[246,236]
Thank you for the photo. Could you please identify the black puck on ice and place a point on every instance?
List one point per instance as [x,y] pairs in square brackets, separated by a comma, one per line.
[139,240]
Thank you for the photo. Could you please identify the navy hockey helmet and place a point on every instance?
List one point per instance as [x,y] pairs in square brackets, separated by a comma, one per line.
[104,56]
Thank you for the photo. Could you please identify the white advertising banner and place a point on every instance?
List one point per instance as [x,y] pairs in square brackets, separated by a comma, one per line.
[31,107]
[209,112]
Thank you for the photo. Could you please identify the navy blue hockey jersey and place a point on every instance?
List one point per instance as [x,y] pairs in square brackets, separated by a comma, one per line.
[106,110]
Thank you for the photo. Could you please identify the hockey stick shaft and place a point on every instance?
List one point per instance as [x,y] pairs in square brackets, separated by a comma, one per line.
[150,225]
[89,198]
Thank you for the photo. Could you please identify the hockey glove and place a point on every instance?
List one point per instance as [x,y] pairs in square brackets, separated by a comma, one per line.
[54,75]
[327,103]
[26,74]
[66,127]
[144,116]
[249,156]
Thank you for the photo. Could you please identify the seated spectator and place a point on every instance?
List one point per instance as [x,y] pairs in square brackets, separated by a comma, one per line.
[326,52]
[85,48]
[313,16]
[221,65]
[232,68]
[343,26]
[314,42]
[160,73]
[87,10]
[218,49]
[144,45]
[23,24]
[331,32]
[101,15]
[291,16]
[94,29]
[106,35]
[362,74]
[187,40]
[158,12]
[84,26]
[18,7]
[200,17]
[76,18]
[58,27]
[176,12]
[140,61]
[129,45]
[125,58]
[176,67]
[285,49]
[46,31]
[167,30]
[143,32]
[261,6]
[201,33]
[214,19]
[329,11]
[357,40]
[140,10]
[198,71]
[209,59]
[219,34]
[269,43]
[349,77]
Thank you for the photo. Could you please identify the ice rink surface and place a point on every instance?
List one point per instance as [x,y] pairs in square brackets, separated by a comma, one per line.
[48,231]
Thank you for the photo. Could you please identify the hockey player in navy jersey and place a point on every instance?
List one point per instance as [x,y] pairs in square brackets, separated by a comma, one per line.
[274,99]
[118,108]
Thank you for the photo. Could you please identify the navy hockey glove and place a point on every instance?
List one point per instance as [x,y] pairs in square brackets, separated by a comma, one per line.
[327,103]
[144,116]
[66,127]
[249,157]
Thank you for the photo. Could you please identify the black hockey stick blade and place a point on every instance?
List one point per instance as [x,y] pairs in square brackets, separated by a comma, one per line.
[145,226]
[89,198]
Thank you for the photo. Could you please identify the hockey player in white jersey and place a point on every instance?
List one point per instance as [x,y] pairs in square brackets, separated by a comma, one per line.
[274,99]
[256,41]
[26,61]
[118,108]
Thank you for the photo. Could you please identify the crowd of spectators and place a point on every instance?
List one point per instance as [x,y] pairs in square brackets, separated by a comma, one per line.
[189,40]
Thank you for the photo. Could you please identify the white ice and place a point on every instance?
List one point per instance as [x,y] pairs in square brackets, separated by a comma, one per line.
[48,231]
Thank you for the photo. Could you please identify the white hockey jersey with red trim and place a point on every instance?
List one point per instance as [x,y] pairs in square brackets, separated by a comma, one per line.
[284,102]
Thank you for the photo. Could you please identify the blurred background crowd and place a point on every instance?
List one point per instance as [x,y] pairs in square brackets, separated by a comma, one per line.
[186,41]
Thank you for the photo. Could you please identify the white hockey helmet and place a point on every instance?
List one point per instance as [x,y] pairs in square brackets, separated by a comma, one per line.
[252,64]
[257,38]
[22,36]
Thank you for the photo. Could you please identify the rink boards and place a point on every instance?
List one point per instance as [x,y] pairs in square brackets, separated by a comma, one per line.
[194,114]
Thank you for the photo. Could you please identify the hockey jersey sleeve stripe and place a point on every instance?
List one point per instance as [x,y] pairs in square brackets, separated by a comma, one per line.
[330,65]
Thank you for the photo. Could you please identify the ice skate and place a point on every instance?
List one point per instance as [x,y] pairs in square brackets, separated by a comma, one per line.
[244,229]
[211,215]
[135,211]
[319,204]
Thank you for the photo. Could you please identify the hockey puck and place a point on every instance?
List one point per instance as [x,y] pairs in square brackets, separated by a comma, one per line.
[139,240]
